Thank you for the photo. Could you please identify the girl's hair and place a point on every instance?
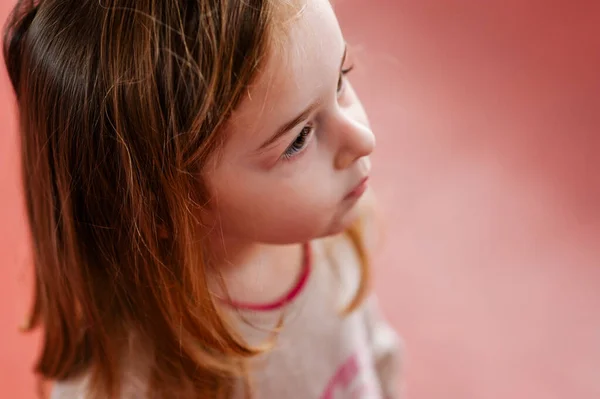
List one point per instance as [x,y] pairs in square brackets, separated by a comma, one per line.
[121,103]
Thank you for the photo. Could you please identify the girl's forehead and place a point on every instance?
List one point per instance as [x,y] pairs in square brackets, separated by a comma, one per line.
[303,62]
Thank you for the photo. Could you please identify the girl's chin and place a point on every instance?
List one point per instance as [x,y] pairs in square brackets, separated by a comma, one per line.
[343,222]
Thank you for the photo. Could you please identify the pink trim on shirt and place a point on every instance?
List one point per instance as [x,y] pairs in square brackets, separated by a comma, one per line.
[290,295]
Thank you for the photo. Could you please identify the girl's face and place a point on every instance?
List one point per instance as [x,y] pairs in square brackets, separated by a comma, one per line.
[298,145]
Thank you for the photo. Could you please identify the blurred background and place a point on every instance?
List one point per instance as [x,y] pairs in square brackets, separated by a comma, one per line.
[487,170]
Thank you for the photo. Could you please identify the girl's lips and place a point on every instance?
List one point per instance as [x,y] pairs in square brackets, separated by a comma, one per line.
[359,189]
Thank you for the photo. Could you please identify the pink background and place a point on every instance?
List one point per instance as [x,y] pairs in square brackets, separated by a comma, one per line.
[487,117]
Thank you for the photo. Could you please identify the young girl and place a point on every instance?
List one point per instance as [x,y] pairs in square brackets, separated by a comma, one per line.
[193,173]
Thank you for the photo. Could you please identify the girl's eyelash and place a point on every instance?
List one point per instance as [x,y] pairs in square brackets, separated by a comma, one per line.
[299,143]
[343,73]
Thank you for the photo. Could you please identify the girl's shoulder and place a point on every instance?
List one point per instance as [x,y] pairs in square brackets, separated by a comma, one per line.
[74,388]
[79,388]
[135,361]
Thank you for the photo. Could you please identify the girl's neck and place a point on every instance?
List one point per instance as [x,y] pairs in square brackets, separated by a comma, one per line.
[256,272]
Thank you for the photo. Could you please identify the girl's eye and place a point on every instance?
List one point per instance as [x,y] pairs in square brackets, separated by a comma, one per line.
[299,144]
[343,73]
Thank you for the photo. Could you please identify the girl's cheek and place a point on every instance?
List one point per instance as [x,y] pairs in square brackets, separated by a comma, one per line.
[270,159]
[270,162]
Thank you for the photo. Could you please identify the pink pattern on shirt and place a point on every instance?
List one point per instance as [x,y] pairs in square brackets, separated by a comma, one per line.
[345,381]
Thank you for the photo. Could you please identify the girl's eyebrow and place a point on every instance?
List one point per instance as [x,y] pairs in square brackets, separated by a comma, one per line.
[300,118]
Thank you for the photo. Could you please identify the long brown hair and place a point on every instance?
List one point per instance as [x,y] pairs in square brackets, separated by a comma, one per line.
[120,105]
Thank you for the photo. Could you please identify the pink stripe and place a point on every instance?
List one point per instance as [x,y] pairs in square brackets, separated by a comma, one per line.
[343,377]
[290,295]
